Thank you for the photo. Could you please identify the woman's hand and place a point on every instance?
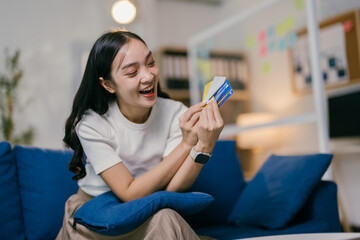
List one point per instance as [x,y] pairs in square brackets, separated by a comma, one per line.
[209,127]
[188,121]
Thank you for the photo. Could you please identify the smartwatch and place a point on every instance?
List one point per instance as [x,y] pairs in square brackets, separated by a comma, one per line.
[199,157]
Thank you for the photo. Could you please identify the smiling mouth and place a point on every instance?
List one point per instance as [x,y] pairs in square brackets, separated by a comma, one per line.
[147,91]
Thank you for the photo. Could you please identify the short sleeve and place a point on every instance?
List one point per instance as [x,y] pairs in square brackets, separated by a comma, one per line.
[95,138]
[175,135]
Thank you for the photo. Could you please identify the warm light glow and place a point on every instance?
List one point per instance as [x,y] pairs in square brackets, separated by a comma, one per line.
[256,138]
[123,12]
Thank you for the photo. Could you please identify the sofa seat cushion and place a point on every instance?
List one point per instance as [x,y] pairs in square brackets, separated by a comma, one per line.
[222,178]
[225,232]
[11,222]
[108,215]
[45,185]
[279,190]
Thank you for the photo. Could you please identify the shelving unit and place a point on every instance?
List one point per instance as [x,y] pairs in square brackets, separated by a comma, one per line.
[352,50]
[175,79]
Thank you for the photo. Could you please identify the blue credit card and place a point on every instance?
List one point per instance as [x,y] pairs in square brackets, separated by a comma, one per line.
[223,93]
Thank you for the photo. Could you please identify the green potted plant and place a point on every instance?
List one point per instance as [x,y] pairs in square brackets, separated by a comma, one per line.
[9,82]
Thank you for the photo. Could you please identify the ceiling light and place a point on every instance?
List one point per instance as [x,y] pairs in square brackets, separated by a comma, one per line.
[123,11]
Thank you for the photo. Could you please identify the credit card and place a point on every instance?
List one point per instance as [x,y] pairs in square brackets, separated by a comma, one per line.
[219,88]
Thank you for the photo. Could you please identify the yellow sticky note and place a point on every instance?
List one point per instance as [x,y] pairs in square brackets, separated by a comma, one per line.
[299,4]
[266,67]
[289,23]
[204,67]
[250,42]
[280,29]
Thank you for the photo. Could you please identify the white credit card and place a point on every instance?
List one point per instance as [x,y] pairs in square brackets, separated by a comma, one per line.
[219,89]
[216,83]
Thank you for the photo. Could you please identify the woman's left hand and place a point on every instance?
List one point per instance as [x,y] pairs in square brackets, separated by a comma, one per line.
[188,124]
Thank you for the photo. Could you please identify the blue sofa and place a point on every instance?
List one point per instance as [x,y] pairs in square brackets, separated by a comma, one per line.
[35,184]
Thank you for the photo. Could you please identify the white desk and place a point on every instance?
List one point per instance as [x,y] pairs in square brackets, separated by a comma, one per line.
[311,236]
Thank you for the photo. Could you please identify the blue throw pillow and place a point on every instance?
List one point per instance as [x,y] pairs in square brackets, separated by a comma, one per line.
[222,178]
[108,215]
[11,221]
[279,190]
[45,185]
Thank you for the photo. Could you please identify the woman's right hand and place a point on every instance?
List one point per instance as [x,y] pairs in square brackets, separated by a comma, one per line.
[188,121]
[209,127]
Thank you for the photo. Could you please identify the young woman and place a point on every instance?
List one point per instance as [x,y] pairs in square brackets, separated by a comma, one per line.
[136,140]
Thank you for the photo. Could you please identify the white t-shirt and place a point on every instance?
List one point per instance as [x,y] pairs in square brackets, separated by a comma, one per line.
[111,138]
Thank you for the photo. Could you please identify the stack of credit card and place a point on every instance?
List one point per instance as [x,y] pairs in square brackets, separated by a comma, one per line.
[219,89]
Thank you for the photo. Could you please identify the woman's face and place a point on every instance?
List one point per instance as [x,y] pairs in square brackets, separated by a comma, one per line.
[135,74]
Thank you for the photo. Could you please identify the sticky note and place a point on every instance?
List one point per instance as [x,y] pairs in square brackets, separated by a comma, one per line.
[263,51]
[204,67]
[299,5]
[271,46]
[280,29]
[266,67]
[250,42]
[292,39]
[289,23]
[270,31]
[282,45]
[262,36]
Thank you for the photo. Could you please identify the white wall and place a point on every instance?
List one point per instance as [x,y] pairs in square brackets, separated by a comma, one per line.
[46,33]
[53,35]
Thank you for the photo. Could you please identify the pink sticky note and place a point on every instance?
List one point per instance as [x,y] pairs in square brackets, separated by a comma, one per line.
[262,51]
[262,36]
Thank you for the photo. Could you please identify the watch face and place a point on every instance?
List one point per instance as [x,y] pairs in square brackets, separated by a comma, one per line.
[202,158]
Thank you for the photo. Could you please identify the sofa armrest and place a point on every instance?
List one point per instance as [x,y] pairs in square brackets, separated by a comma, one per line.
[322,205]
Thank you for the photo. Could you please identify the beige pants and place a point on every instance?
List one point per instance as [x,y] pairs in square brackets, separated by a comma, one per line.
[165,224]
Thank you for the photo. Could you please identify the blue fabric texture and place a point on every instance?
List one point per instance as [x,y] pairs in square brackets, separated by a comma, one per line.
[319,206]
[108,215]
[45,185]
[11,223]
[222,178]
[279,190]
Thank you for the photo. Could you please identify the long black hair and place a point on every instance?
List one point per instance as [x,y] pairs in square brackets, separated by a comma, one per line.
[91,95]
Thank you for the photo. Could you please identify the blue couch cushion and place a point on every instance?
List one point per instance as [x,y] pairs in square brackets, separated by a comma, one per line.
[322,206]
[45,185]
[108,215]
[222,178]
[11,222]
[279,190]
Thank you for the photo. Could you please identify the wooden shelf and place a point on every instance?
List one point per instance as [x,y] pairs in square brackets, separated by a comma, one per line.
[174,76]
[179,94]
[239,95]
